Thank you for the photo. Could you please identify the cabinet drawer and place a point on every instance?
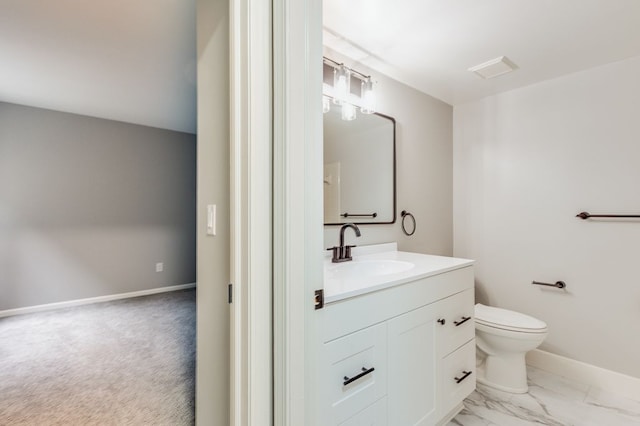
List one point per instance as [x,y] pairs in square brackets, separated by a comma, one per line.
[458,376]
[459,325]
[373,415]
[354,374]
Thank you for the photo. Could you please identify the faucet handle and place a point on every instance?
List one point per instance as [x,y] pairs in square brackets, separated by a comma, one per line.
[336,254]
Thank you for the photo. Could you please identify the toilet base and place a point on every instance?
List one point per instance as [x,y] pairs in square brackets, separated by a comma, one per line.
[496,386]
[507,373]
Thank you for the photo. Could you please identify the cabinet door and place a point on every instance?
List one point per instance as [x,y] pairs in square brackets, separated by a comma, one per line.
[412,368]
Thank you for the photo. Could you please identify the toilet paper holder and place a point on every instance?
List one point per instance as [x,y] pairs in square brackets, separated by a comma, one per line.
[557,284]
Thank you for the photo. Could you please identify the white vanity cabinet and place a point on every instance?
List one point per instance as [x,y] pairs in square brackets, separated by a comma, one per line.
[400,356]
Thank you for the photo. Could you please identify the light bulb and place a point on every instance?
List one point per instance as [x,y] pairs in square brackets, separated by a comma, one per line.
[326,104]
[348,112]
[341,84]
[368,97]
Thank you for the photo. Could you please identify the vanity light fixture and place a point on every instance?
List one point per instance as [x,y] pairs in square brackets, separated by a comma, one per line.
[326,104]
[348,112]
[341,84]
[368,97]
[341,92]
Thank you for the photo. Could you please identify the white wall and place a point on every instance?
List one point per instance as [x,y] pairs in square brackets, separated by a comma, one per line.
[525,163]
[212,357]
[424,164]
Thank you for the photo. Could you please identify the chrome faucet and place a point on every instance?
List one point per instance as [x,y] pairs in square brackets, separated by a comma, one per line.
[342,253]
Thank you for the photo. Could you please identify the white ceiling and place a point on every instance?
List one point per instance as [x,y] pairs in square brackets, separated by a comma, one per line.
[431,44]
[135,60]
[126,60]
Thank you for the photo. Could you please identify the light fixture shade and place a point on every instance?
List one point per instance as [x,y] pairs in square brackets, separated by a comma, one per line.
[341,84]
[368,97]
[326,104]
[348,112]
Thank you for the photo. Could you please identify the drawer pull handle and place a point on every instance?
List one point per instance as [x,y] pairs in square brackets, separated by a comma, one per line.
[442,321]
[365,371]
[464,376]
[464,319]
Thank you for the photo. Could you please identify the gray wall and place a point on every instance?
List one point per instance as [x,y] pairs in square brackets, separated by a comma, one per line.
[212,367]
[424,168]
[88,206]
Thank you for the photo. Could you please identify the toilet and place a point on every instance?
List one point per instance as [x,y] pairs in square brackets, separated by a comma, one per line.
[503,338]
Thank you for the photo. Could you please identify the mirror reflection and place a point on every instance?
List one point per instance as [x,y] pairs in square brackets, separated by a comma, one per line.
[359,169]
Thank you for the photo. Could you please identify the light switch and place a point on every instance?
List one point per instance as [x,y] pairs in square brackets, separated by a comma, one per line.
[211,219]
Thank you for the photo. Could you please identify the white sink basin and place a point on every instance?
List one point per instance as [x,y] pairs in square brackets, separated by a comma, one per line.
[367,268]
[380,266]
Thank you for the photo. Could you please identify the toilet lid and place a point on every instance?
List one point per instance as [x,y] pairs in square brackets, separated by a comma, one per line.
[503,318]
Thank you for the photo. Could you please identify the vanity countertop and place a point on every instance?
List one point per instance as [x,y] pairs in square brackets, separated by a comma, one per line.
[381,266]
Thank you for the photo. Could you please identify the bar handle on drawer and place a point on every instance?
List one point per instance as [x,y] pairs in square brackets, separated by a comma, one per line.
[464,376]
[464,319]
[365,371]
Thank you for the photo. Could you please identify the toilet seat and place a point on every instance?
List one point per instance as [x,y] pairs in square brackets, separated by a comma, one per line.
[505,319]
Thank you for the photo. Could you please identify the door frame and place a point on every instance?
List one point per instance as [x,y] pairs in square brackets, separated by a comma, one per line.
[276,208]
[298,222]
[251,212]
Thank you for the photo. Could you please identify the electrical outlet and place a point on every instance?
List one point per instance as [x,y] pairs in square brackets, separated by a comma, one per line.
[159,267]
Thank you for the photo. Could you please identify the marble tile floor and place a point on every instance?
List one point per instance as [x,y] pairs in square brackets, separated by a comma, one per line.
[552,400]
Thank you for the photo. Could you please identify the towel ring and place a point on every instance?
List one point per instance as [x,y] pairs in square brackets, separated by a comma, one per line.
[404,215]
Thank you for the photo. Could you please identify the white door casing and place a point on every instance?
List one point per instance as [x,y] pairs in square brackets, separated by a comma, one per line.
[276,255]
[298,223]
[251,213]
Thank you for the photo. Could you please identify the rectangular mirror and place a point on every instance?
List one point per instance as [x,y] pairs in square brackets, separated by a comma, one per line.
[359,169]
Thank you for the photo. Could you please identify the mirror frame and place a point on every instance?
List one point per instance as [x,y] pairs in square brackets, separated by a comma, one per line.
[395,179]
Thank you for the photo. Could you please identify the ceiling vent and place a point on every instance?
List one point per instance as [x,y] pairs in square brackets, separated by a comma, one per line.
[494,67]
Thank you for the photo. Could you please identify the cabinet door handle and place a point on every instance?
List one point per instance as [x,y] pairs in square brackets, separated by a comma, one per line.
[464,319]
[365,371]
[464,376]
[442,321]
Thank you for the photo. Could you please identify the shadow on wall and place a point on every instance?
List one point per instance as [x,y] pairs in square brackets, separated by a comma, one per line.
[481,293]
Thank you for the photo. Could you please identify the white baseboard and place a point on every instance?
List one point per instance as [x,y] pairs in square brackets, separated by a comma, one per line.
[588,374]
[87,301]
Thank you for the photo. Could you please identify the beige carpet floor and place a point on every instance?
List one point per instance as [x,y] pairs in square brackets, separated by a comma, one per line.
[128,362]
